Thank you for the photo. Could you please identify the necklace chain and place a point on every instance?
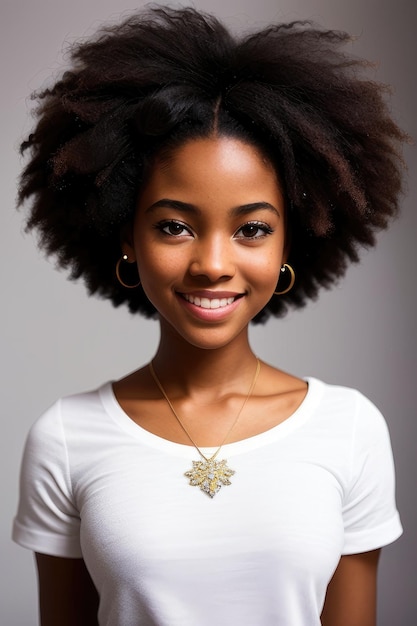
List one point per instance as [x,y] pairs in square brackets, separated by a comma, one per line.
[208,474]
[162,390]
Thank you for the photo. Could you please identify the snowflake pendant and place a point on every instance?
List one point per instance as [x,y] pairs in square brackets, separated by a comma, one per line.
[210,475]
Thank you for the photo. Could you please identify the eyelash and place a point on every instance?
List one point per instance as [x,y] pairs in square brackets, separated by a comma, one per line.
[167,223]
[260,226]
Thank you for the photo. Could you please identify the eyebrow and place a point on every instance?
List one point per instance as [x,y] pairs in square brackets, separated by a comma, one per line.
[185,207]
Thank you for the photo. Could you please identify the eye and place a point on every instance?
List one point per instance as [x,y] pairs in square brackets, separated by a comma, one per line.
[173,228]
[253,230]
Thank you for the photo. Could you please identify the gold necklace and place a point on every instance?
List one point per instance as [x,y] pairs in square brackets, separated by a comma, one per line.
[208,474]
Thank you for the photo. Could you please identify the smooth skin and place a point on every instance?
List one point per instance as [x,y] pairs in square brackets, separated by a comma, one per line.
[209,227]
[67,596]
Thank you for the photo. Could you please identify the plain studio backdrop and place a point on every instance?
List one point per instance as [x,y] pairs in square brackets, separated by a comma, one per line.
[55,340]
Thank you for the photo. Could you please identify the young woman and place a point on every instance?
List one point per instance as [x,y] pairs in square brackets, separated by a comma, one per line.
[209,181]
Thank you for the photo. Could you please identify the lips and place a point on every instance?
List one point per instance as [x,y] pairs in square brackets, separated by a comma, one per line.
[209,303]
[211,306]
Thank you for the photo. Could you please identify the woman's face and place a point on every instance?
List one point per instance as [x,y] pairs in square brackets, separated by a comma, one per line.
[208,238]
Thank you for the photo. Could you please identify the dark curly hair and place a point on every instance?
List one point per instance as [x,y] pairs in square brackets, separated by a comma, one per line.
[164,76]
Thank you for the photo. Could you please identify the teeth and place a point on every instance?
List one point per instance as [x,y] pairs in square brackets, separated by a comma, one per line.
[207,303]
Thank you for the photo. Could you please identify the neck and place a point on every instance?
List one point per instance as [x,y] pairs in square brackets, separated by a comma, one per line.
[191,368]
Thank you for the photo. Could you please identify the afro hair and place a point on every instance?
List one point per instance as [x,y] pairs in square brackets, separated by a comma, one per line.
[164,76]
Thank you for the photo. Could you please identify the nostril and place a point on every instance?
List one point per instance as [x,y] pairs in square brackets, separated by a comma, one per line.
[213,265]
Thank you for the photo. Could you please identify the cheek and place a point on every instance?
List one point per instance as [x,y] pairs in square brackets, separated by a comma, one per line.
[264,268]
[160,267]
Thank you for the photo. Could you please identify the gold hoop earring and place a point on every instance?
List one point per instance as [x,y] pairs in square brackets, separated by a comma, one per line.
[284,268]
[119,278]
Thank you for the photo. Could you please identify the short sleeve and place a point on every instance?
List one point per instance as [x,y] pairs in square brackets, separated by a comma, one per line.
[47,520]
[371,519]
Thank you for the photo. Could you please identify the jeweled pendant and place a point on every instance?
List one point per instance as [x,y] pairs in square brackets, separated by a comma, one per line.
[210,475]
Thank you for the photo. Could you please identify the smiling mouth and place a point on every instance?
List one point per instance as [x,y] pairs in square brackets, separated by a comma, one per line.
[209,303]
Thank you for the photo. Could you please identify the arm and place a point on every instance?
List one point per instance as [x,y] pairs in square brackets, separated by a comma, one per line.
[67,595]
[351,594]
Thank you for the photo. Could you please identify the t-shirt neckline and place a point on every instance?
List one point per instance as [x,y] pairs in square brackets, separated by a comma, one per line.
[294,421]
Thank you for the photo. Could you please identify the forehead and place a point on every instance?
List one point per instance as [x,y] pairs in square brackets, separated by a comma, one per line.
[213,168]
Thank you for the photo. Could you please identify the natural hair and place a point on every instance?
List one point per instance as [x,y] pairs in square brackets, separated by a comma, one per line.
[164,76]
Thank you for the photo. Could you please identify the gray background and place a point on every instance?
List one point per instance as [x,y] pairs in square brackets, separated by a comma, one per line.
[56,341]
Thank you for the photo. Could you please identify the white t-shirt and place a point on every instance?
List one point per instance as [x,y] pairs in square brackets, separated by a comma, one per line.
[162,553]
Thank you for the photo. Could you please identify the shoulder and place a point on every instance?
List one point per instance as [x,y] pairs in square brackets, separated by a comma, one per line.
[346,409]
[343,399]
[67,413]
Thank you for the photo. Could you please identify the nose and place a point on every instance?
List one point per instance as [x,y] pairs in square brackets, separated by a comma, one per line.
[213,258]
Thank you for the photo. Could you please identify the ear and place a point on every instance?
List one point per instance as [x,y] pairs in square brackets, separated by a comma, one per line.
[287,248]
[287,241]
[286,254]
[127,243]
